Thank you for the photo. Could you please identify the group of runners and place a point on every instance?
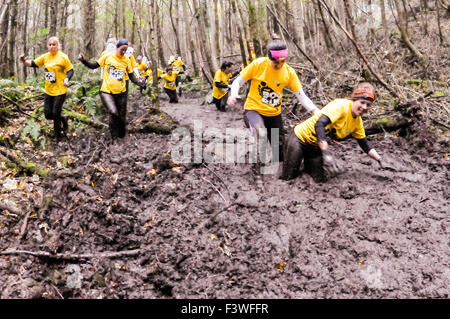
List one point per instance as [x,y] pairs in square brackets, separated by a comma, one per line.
[268,76]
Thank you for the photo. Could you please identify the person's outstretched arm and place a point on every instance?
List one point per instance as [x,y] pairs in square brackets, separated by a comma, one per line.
[135,80]
[27,62]
[368,149]
[90,65]
[234,92]
[306,101]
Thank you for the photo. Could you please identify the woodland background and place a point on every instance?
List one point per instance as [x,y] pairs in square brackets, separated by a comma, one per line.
[206,32]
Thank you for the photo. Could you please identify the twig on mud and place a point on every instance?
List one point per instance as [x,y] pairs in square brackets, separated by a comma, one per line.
[92,157]
[56,289]
[9,209]
[226,186]
[23,228]
[61,256]
[212,219]
[217,190]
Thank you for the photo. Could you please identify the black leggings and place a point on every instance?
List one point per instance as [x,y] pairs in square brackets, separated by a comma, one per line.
[172,95]
[295,152]
[116,104]
[52,110]
[221,103]
[264,125]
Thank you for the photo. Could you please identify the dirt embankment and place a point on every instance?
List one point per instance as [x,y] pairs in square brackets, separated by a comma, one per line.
[131,221]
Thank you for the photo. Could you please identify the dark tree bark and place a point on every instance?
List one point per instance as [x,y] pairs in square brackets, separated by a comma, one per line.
[89,28]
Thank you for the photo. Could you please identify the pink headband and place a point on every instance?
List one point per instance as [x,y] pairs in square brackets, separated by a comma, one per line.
[277,54]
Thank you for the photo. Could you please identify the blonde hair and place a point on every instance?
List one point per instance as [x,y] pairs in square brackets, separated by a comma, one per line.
[54,39]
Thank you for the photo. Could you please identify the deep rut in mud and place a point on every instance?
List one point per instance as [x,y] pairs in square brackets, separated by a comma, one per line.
[209,230]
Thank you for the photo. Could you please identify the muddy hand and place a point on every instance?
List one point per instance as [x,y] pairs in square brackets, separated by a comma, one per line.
[330,165]
[232,100]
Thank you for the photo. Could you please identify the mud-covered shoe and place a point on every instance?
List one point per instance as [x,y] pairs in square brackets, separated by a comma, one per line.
[64,123]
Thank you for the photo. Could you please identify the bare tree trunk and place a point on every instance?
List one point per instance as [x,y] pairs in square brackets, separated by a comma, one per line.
[24,38]
[387,41]
[326,32]
[402,26]
[263,34]
[156,15]
[348,13]
[89,28]
[124,21]
[441,37]
[174,27]
[201,19]
[239,31]
[189,39]
[53,17]
[116,18]
[12,37]
[297,10]
[217,32]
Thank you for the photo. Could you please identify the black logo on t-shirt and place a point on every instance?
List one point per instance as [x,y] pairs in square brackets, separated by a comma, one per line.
[269,96]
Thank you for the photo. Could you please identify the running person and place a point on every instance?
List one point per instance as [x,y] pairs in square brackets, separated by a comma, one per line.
[58,72]
[262,109]
[142,70]
[113,91]
[170,85]
[221,85]
[341,118]
[177,66]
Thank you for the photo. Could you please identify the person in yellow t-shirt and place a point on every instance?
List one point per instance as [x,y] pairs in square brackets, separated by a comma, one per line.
[58,72]
[221,85]
[170,85]
[340,118]
[262,108]
[142,70]
[178,66]
[113,91]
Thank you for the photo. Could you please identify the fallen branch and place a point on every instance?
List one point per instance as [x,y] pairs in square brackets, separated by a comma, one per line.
[62,256]
[85,119]
[25,165]
[386,125]
[217,190]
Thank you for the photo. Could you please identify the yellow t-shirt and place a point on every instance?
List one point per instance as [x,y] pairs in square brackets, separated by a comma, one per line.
[176,65]
[170,80]
[133,65]
[150,74]
[266,89]
[142,68]
[114,71]
[339,112]
[220,76]
[56,66]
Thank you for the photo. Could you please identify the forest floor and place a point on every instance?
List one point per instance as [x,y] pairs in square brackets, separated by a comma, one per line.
[125,219]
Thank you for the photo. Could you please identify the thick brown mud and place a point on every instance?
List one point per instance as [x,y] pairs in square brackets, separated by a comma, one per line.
[210,230]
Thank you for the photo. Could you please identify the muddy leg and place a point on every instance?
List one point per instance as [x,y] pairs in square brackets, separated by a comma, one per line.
[292,158]
[314,166]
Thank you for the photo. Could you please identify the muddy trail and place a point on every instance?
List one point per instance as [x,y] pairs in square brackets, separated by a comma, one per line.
[127,220]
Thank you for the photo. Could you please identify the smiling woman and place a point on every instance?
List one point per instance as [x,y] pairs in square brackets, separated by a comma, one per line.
[341,118]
